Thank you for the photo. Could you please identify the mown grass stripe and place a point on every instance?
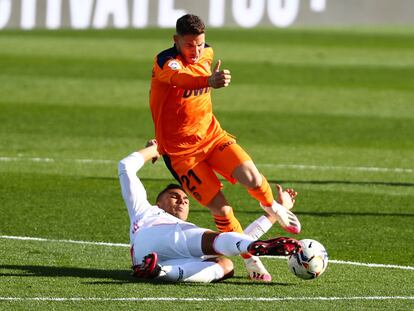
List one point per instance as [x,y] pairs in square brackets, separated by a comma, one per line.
[197,299]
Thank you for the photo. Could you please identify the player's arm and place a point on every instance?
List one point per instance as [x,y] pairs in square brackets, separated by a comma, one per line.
[174,74]
[133,192]
[150,151]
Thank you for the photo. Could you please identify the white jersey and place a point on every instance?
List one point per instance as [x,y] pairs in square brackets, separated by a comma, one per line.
[142,214]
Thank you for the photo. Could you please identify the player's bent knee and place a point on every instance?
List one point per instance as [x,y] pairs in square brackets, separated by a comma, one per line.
[219,205]
[248,175]
[227,266]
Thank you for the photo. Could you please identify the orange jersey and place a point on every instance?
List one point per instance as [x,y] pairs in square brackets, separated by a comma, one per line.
[180,102]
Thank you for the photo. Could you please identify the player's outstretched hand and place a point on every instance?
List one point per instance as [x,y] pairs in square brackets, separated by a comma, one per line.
[152,146]
[287,197]
[151,142]
[219,78]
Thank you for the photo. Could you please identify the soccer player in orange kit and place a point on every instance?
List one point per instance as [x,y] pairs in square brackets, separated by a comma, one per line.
[194,145]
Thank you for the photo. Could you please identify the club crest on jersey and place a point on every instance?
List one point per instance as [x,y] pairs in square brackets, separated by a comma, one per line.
[174,65]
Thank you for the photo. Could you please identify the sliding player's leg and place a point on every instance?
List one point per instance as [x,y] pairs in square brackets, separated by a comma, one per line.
[181,260]
[192,269]
[174,253]
[200,242]
[196,270]
[197,241]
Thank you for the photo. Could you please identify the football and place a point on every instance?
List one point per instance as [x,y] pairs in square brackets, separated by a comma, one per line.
[310,262]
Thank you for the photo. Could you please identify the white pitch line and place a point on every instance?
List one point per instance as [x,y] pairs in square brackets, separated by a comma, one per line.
[342,262]
[290,166]
[197,299]
[51,160]
[354,263]
[371,265]
[24,238]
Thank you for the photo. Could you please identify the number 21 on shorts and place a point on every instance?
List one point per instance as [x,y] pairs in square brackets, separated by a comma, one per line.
[190,181]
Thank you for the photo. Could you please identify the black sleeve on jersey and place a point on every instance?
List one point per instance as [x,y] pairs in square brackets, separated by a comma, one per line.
[166,55]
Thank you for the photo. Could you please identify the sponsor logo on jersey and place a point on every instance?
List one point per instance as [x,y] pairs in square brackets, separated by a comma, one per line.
[196,92]
[225,145]
[174,65]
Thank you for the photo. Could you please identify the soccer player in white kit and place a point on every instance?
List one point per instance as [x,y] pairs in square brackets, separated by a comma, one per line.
[167,248]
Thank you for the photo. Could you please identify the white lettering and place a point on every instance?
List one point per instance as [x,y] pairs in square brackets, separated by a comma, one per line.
[53,14]
[140,13]
[5,12]
[118,9]
[84,14]
[318,5]
[216,13]
[282,13]
[167,15]
[80,13]
[28,20]
[247,16]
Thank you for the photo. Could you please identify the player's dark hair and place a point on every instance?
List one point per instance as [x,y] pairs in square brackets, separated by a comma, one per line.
[189,24]
[169,187]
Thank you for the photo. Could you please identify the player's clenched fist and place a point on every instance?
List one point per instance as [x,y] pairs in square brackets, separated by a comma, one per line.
[219,78]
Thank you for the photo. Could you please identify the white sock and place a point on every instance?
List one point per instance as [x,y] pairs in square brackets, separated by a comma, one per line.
[204,272]
[274,208]
[258,227]
[232,243]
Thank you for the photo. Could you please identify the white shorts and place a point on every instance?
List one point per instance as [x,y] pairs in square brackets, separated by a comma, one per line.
[170,242]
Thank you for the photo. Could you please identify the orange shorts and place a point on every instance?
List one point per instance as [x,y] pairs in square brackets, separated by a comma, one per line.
[197,172]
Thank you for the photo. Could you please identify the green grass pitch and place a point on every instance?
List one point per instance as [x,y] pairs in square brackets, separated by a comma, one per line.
[329,112]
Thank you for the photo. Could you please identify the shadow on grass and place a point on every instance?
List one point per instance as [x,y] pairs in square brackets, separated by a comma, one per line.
[50,271]
[114,276]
